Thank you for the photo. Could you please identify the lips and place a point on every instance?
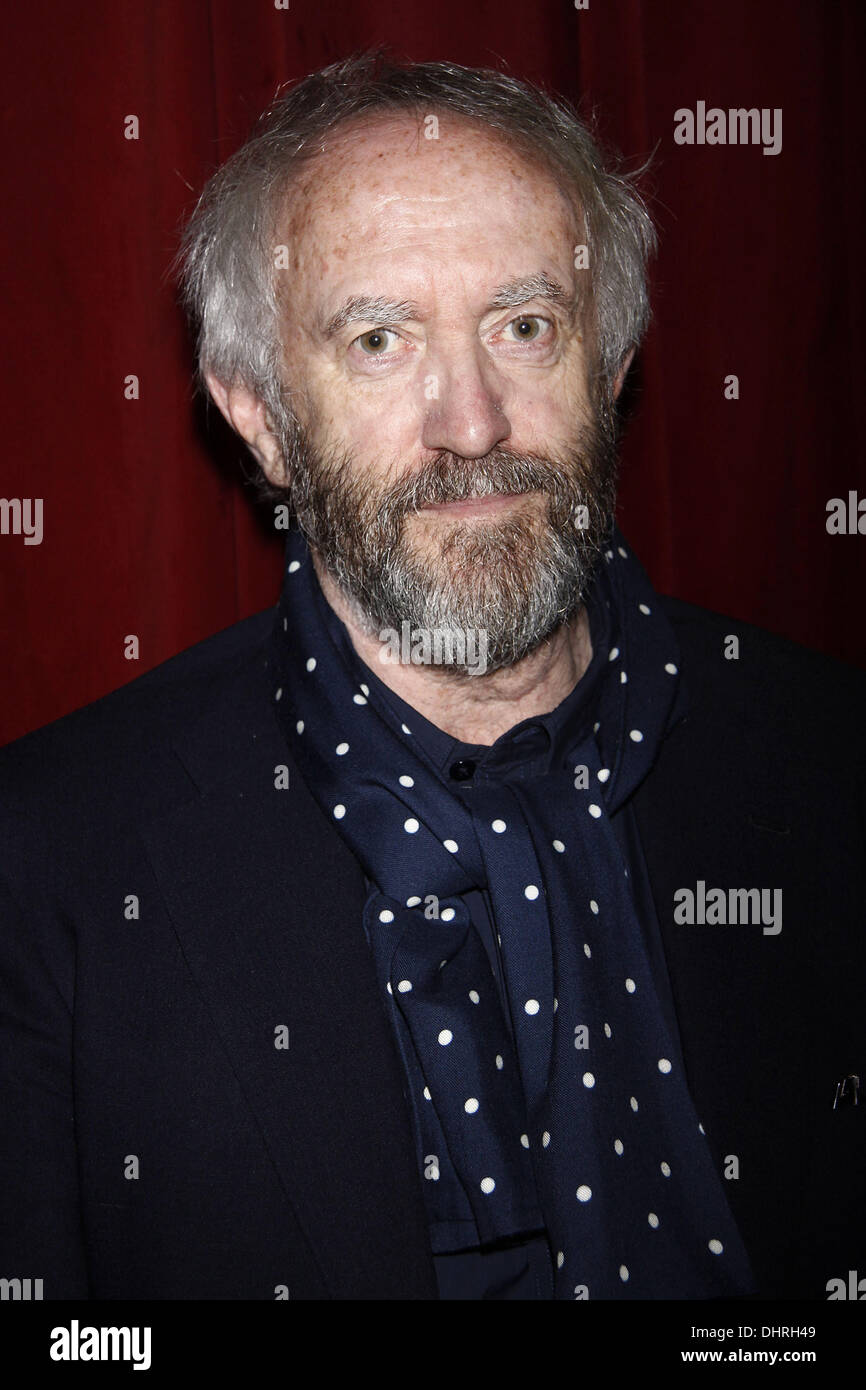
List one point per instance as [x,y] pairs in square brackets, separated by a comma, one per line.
[490,503]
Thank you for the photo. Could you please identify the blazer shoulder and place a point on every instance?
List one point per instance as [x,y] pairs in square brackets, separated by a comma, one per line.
[780,697]
[760,656]
[125,737]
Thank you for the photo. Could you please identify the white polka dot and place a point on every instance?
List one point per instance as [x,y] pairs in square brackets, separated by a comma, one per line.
[624,554]
[365,689]
[588,1080]
[451,846]
[653,1220]
[404,986]
[470,1106]
[530,892]
[670,668]
[613,654]
[487,1185]
[499,1062]
[545,1138]
[607,1030]
[618,1146]
[524,1139]
[532,1006]
[498,826]
[630,985]
[427,1095]
[360,699]
[603,774]
[279,694]
[595,811]
[407,781]
[410,825]
[584,1193]
[294,565]
[596,726]
[633,1103]
[300,726]
[623,1273]
[386,915]
[664,1065]
[666,1169]
[445,1037]
[716,1247]
[643,608]
[555,1005]
[388,987]
[635,735]
[405,728]
[474,996]
[623,678]
[339,812]
[593,906]
[342,748]
[414,901]
[447,914]
[701,1128]
[559,846]
[586,950]
[311,663]
[560,1259]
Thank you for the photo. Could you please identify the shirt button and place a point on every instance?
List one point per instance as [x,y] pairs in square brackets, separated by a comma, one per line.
[462,770]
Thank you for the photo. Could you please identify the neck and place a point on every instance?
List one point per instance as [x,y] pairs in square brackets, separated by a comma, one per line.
[475,709]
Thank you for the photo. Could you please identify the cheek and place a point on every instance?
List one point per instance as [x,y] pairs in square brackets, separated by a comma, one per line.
[376,448]
[372,424]
[572,405]
[543,420]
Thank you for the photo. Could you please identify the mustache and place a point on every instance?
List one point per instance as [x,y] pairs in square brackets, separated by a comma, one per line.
[450,478]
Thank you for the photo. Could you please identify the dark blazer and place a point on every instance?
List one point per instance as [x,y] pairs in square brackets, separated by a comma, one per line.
[148,1033]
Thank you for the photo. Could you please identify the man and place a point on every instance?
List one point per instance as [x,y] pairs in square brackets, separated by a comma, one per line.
[471,926]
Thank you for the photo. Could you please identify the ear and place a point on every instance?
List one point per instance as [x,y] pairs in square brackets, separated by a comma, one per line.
[248,416]
[619,379]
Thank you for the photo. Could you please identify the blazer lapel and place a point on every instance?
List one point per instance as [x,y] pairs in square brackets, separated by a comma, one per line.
[266,901]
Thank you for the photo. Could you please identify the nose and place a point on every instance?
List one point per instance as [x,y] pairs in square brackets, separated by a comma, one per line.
[464,413]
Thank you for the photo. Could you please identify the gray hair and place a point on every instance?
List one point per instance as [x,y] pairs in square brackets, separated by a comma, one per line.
[226,260]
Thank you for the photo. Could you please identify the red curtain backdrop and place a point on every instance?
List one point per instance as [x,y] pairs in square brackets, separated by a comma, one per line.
[148,527]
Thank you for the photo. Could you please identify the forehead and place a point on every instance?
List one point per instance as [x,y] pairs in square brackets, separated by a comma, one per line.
[380,186]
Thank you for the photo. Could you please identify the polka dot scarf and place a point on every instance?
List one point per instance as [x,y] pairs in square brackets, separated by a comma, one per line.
[570,1111]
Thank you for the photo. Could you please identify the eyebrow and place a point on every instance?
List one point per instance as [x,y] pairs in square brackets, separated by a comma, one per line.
[369,308]
[374,309]
[517,292]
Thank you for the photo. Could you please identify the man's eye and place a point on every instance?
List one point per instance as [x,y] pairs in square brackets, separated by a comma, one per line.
[527,327]
[375,342]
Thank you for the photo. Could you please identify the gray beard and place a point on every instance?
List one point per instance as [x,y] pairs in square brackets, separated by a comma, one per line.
[514,580]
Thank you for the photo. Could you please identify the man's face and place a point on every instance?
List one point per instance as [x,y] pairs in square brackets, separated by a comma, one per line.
[444,452]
